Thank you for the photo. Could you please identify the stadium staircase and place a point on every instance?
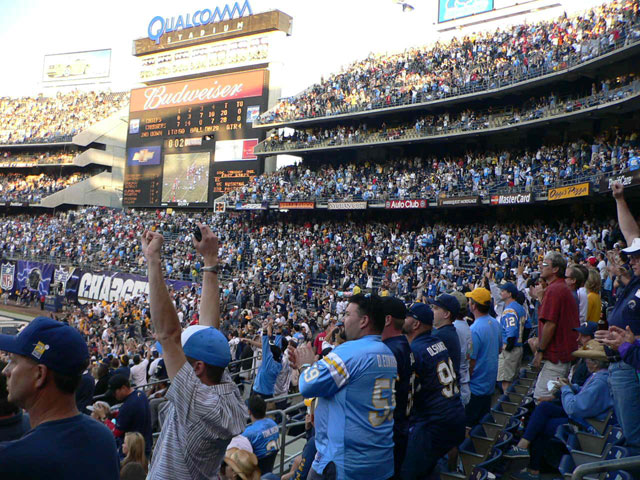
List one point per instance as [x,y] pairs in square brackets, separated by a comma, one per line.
[575,452]
[100,190]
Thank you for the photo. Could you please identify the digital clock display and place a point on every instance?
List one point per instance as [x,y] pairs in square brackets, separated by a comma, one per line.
[192,141]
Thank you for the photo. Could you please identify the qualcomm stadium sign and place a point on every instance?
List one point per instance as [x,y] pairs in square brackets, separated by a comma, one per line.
[158,26]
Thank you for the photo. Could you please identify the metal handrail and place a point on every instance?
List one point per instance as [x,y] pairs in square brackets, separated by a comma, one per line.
[283,430]
[494,83]
[559,110]
[581,471]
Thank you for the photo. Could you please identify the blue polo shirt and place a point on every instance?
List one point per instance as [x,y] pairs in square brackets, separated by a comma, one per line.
[487,338]
[627,308]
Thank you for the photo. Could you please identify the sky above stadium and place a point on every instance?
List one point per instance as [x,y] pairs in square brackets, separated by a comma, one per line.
[326,35]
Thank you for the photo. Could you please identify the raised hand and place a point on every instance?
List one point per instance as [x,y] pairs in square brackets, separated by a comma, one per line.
[152,245]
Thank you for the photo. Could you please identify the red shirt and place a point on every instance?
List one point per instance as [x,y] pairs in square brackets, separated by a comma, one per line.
[318,342]
[560,307]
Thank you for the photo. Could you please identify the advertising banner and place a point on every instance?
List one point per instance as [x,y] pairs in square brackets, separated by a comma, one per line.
[297,205]
[405,204]
[460,201]
[511,199]
[198,91]
[252,206]
[85,286]
[63,67]
[7,275]
[347,205]
[627,179]
[453,9]
[35,276]
[571,191]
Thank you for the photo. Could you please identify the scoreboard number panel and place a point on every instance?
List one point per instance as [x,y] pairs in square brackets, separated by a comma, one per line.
[190,142]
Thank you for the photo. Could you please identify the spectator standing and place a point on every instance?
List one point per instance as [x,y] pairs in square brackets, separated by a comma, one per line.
[263,433]
[85,392]
[47,361]
[512,323]
[139,370]
[437,414]
[557,318]
[13,422]
[205,407]
[395,313]
[483,367]
[354,386]
[466,347]
[594,301]
[445,308]
[623,378]
[134,414]
[271,365]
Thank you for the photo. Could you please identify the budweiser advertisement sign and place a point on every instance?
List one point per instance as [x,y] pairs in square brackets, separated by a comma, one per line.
[627,179]
[511,199]
[197,92]
[460,201]
[297,205]
[405,204]
[346,205]
[571,191]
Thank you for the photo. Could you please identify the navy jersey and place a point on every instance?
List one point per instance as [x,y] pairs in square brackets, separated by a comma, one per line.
[437,395]
[449,337]
[404,383]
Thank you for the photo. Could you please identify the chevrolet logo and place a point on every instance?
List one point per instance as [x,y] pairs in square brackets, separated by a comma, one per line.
[143,156]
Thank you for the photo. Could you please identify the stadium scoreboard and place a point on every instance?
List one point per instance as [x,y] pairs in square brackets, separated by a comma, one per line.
[192,141]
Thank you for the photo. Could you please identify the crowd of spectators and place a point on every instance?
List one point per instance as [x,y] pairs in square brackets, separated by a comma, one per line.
[49,119]
[17,187]
[10,159]
[447,123]
[432,176]
[475,62]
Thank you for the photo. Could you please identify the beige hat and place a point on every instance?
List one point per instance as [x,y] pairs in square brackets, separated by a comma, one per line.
[244,463]
[462,300]
[593,350]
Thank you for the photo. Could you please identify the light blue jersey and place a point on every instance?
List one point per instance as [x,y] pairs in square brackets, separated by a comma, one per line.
[263,435]
[354,415]
[512,322]
[268,372]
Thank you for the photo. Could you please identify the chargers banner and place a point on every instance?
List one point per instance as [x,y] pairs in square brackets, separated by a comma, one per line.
[36,276]
[85,286]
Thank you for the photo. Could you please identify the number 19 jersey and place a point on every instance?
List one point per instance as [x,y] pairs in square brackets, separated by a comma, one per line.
[437,395]
[354,415]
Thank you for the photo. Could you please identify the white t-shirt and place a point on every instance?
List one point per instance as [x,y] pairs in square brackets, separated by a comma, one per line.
[139,373]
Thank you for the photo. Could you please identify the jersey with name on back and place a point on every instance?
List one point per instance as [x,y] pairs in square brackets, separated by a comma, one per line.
[437,395]
[263,435]
[354,414]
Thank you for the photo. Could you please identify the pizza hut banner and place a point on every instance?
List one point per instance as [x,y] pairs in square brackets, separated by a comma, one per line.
[405,204]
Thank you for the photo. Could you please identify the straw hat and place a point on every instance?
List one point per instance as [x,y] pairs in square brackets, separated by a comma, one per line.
[593,350]
[243,463]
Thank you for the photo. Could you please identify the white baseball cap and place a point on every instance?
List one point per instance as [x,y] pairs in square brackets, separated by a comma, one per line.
[634,248]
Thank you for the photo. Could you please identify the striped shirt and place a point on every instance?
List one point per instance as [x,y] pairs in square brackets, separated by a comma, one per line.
[200,422]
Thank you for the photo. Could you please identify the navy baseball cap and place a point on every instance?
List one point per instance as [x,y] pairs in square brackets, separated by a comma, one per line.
[588,328]
[448,302]
[51,343]
[395,307]
[511,288]
[421,312]
[206,344]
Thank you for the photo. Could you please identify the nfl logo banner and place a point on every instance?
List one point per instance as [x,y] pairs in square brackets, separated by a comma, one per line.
[7,275]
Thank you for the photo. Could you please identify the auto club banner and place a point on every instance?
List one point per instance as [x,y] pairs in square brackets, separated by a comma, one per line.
[346,205]
[85,286]
[405,204]
[511,199]
[627,179]
[571,191]
[297,205]
[468,201]
[34,276]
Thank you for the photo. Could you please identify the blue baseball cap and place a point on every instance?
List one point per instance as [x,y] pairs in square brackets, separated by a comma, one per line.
[421,312]
[588,328]
[51,343]
[206,344]
[448,302]
[511,288]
